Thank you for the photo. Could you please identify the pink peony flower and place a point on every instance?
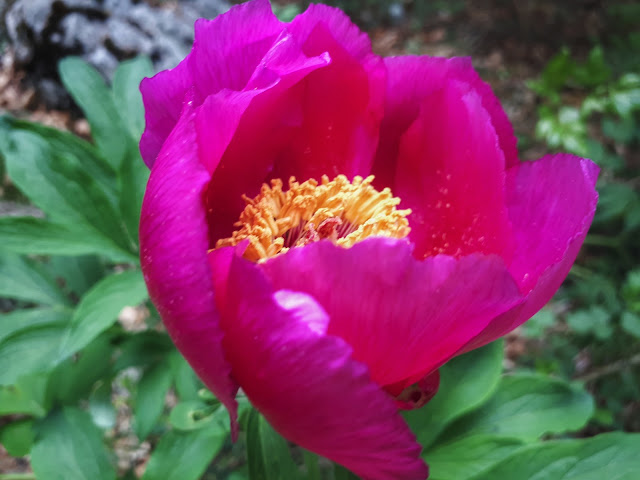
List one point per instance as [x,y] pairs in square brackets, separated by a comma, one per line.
[331,302]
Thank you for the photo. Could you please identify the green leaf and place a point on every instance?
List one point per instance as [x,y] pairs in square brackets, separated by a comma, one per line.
[32,350]
[603,416]
[70,447]
[286,13]
[17,437]
[90,92]
[564,129]
[594,102]
[99,308]
[615,199]
[268,454]
[60,141]
[208,397]
[150,398]
[468,456]
[631,323]
[597,288]
[625,99]
[621,131]
[312,466]
[185,455]
[24,279]
[632,216]
[79,273]
[57,183]
[126,92]
[133,181]
[527,406]
[554,76]
[27,396]
[26,319]
[29,235]
[143,349]
[341,473]
[613,456]
[596,320]
[36,350]
[74,378]
[631,291]
[101,408]
[536,326]
[133,173]
[604,156]
[632,213]
[195,414]
[237,475]
[466,382]
[594,71]
[186,381]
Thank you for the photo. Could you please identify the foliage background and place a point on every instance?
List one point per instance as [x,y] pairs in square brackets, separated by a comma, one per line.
[90,389]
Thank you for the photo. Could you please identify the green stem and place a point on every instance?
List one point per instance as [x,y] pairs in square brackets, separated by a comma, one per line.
[341,473]
[17,476]
[311,462]
[614,367]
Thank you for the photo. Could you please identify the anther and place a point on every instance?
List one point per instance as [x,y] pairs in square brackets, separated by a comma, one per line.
[339,211]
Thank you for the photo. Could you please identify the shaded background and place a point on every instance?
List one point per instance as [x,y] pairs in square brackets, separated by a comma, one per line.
[567,73]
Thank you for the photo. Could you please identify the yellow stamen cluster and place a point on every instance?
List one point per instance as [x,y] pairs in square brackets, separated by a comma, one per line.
[338,210]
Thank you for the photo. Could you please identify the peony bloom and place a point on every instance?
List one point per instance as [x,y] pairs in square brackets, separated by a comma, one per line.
[324,228]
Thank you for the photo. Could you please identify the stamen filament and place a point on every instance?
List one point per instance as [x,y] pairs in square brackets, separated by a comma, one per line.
[340,211]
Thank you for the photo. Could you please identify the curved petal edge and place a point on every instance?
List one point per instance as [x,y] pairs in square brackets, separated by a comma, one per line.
[173,255]
[305,382]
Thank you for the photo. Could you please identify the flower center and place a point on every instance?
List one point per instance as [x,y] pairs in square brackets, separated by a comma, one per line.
[338,210]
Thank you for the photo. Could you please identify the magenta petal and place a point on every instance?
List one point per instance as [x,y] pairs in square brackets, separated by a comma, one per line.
[162,96]
[342,29]
[304,308]
[342,104]
[242,134]
[173,246]
[305,115]
[403,317]
[227,49]
[551,205]
[462,69]
[225,53]
[304,382]
[410,80]
[450,172]
[219,118]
